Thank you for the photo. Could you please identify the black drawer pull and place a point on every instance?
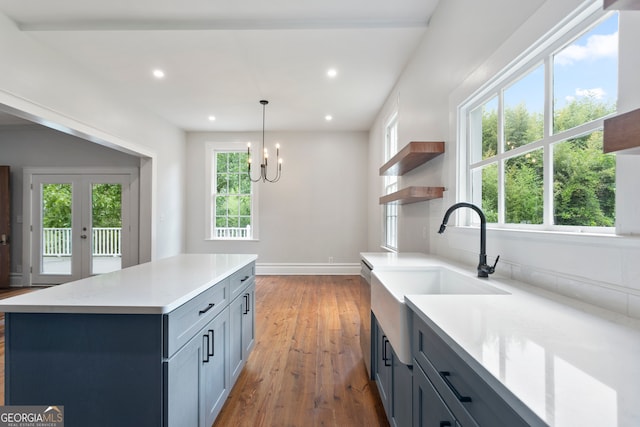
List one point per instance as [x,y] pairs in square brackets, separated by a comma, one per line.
[213,343]
[245,279]
[205,348]
[209,307]
[246,304]
[445,424]
[461,398]
[385,341]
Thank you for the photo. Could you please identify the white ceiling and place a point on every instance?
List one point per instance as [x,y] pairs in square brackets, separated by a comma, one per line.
[222,57]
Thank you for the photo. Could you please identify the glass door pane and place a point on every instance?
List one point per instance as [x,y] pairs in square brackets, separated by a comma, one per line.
[106,222]
[56,217]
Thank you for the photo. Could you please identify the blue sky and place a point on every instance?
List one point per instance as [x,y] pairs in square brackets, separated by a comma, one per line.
[586,67]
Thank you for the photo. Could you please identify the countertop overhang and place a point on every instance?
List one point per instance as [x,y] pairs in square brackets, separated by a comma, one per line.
[570,362]
[156,287]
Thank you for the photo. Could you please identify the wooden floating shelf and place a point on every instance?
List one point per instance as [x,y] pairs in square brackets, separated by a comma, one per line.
[621,5]
[622,132]
[412,195]
[411,156]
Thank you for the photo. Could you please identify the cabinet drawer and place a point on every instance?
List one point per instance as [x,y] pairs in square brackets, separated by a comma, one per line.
[470,398]
[241,279]
[185,321]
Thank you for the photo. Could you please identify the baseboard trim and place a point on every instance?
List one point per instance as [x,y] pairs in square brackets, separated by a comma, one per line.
[307,269]
[15,280]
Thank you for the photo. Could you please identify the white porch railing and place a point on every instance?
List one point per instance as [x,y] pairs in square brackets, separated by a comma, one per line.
[106,241]
[233,232]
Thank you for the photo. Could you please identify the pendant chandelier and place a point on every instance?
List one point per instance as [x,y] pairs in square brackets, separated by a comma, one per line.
[264,164]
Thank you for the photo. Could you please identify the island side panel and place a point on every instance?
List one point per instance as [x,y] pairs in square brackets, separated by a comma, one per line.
[106,369]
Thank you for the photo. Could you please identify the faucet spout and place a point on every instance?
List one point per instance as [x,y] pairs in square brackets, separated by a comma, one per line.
[483,269]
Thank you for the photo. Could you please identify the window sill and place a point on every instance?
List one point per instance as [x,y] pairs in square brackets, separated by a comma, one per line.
[550,236]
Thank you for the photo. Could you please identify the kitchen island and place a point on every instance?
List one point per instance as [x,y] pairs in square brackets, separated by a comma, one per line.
[158,344]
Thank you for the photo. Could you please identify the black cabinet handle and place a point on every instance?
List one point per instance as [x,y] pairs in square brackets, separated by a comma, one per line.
[209,307]
[245,279]
[445,424]
[461,398]
[205,348]
[213,342]
[385,341]
[246,303]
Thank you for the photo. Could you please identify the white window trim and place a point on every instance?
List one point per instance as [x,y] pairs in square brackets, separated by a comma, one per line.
[393,117]
[210,171]
[581,20]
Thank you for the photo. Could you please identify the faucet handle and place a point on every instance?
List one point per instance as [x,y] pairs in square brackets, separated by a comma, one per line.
[492,269]
[495,263]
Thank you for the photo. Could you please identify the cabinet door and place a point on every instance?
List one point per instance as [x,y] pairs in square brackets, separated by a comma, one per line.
[214,367]
[236,345]
[248,321]
[401,394]
[183,385]
[382,368]
[428,408]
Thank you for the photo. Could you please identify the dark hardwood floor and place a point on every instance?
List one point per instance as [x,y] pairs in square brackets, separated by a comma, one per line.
[306,368]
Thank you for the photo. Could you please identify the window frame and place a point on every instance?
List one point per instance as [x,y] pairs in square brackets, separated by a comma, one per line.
[212,149]
[390,184]
[540,53]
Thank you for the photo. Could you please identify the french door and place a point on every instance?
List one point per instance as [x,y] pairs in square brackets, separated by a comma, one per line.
[80,226]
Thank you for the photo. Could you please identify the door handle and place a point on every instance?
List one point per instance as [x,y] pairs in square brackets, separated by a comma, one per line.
[213,342]
[205,348]
[385,341]
[246,303]
[4,240]
[83,236]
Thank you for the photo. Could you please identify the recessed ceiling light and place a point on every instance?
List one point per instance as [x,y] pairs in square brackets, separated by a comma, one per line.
[212,118]
[328,117]
[158,73]
[332,72]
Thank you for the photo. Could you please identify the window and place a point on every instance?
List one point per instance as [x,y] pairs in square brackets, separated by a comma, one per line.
[232,201]
[534,134]
[390,237]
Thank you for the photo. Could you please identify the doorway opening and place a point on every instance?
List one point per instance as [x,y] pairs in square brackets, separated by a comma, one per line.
[81,224]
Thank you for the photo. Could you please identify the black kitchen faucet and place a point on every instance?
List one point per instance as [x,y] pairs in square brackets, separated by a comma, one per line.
[484,270]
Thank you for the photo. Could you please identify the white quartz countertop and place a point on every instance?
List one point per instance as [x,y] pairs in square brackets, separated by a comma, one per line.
[571,363]
[396,261]
[152,288]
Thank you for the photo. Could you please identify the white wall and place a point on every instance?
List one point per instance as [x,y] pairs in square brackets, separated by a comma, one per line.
[39,84]
[316,211]
[467,43]
[38,146]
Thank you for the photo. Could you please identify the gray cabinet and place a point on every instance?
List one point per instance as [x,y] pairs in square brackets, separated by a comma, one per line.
[198,377]
[215,374]
[182,371]
[382,367]
[200,373]
[249,321]
[393,379]
[242,322]
[428,408]
[447,389]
